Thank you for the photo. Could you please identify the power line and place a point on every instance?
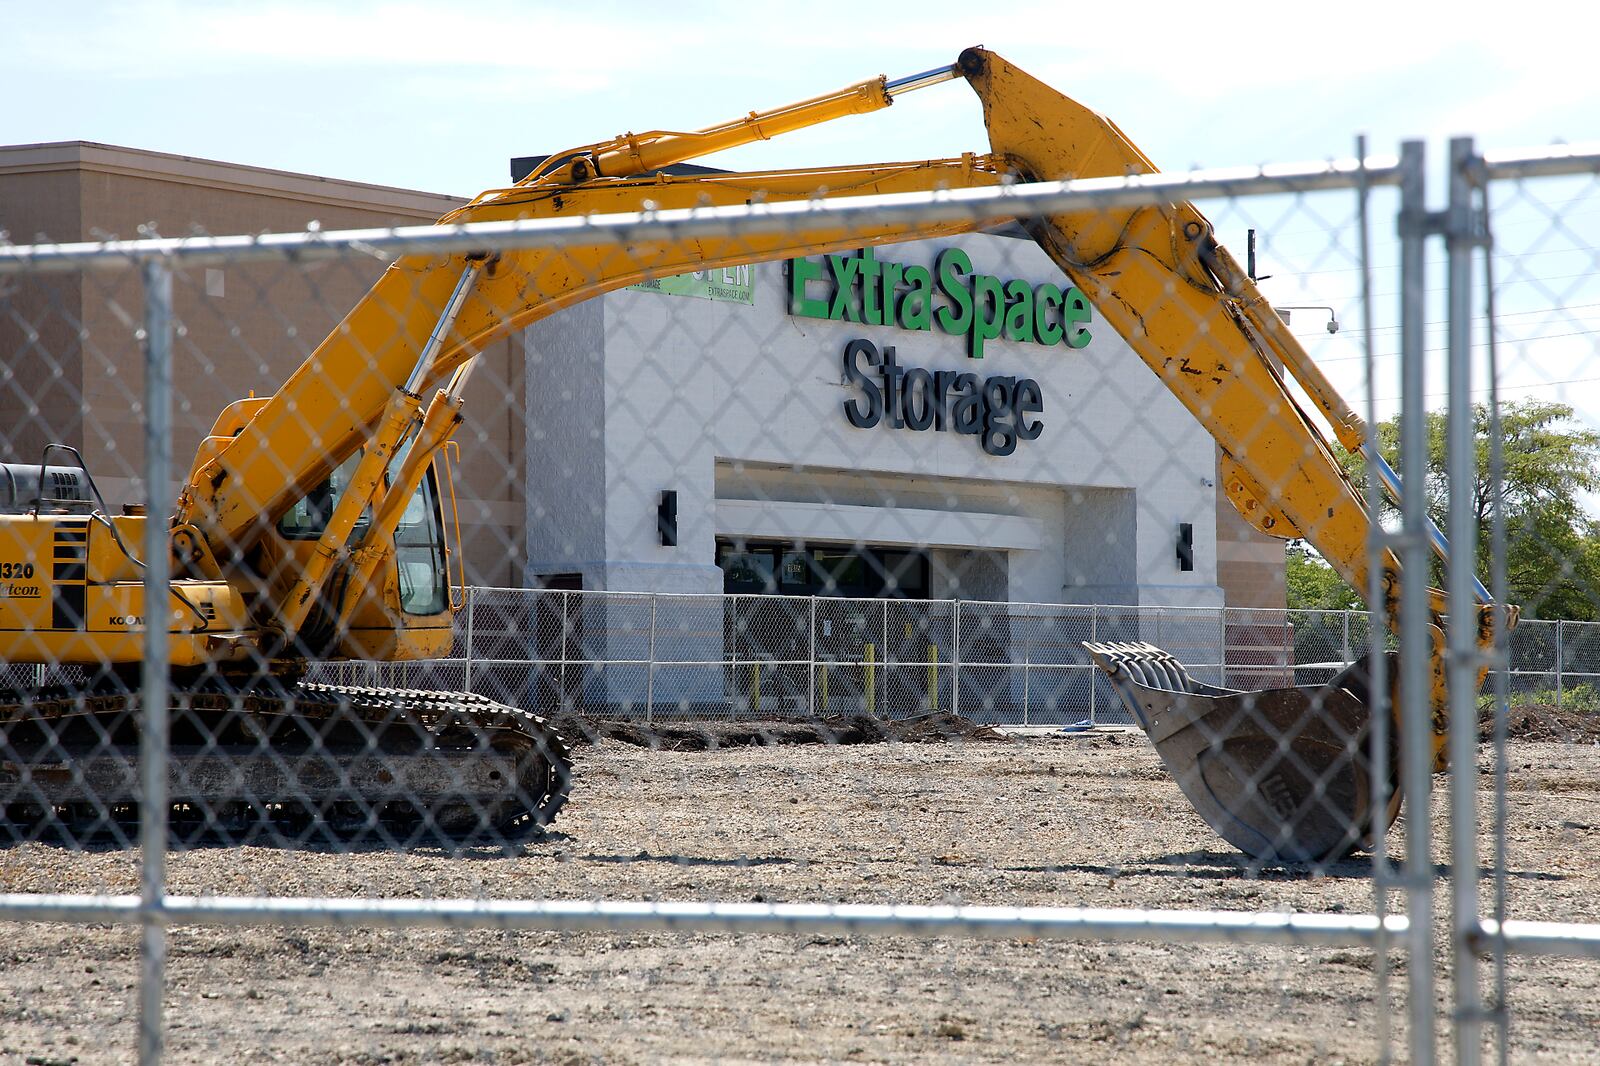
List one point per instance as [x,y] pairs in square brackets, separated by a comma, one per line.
[1439,264]
[1477,346]
[1497,388]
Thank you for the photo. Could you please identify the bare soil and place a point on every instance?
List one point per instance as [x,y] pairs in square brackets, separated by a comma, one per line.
[937,728]
[1543,721]
[1088,820]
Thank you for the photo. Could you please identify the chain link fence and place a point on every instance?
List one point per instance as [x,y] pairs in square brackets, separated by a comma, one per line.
[680,657]
[823,464]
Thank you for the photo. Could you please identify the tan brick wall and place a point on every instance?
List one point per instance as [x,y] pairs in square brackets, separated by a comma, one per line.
[243,327]
[41,358]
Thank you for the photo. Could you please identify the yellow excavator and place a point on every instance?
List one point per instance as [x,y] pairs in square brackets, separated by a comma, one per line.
[311,526]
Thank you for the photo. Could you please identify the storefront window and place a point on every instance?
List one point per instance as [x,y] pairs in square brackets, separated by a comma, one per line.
[823,570]
[843,572]
[905,574]
[796,573]
[747,570]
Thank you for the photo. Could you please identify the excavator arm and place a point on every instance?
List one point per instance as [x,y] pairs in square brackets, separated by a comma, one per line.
[1156,274]
[1159,277]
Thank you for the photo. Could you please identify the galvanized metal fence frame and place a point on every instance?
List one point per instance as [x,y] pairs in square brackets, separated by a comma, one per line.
[1307,657]
[1463,227]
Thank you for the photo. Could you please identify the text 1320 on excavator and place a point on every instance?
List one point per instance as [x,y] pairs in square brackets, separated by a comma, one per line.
[311,525]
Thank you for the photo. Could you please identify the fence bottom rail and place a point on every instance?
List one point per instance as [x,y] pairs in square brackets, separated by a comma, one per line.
[1099,923]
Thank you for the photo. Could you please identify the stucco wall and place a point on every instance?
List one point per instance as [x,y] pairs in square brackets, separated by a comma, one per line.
[739,410]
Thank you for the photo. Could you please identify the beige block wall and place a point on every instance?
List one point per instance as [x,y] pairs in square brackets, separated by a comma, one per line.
[41,364]
[242,327]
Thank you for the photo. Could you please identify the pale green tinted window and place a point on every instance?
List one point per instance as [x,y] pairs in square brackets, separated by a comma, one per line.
[419,553]
[418,540]
[308,516]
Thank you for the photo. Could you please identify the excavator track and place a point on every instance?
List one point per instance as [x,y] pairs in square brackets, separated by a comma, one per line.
[275,762]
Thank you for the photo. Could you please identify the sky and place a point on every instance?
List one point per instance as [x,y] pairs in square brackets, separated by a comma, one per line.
[438,97]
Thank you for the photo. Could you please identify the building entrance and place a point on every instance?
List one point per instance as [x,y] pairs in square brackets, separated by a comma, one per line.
[848,655]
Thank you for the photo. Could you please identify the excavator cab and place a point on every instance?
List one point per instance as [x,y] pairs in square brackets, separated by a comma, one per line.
[405,612]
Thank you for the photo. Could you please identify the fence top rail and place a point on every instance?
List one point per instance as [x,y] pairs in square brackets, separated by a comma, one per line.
[1552,161]
[775,597]
[1016,200]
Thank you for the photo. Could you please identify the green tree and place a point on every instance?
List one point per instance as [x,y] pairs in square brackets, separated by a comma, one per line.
[1313,585]
[1552,543]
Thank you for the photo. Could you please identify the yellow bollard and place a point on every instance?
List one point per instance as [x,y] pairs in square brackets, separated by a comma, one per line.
[933,677]
[870,654]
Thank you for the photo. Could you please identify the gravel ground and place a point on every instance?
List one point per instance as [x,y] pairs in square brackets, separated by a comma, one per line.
[1090,820]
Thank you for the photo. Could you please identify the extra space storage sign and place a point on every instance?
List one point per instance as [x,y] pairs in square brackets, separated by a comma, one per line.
[999,410]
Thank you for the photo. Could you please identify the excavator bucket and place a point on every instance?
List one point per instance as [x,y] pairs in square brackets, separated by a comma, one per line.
[1284,775]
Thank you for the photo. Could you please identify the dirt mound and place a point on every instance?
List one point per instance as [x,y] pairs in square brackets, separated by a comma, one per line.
[1543,721]
[707,736]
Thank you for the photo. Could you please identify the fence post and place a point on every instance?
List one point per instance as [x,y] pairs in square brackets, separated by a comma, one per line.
[1416,719]
[1027,666]
[466,682]
[811,660]
[153,744]
[1094,680]
[650,668]
[566,624]
[955,656]
[1559,657]
[732,682]
[1464,655]
[883,633]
